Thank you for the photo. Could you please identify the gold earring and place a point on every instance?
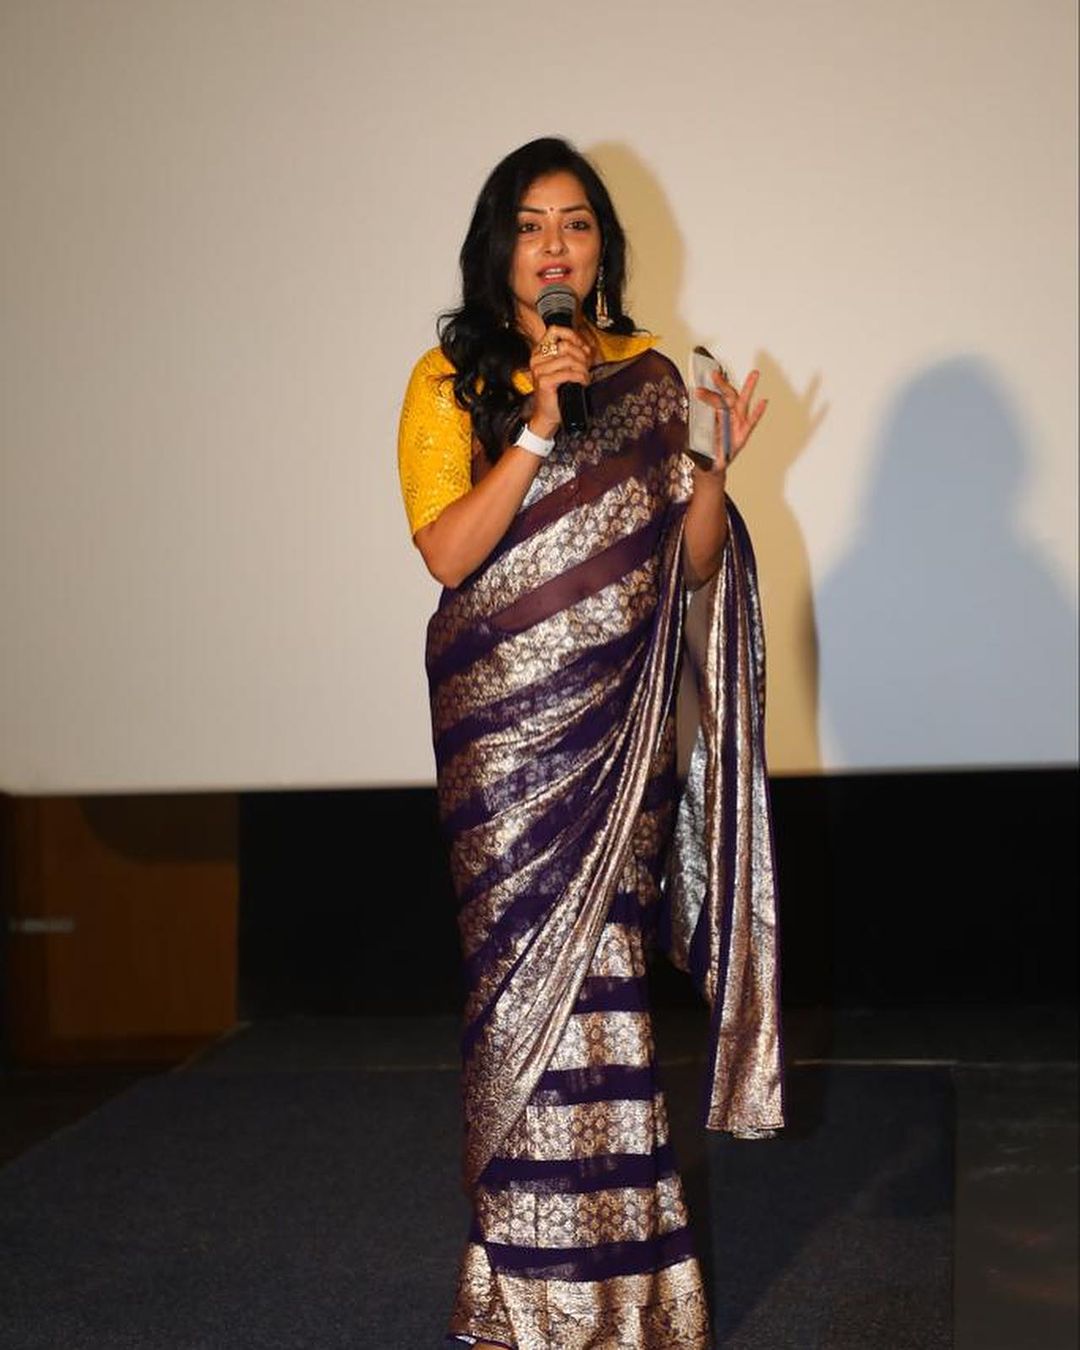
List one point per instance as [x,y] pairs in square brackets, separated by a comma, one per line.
[603,319]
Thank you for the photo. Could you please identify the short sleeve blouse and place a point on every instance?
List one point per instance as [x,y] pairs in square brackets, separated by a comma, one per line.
[435,432]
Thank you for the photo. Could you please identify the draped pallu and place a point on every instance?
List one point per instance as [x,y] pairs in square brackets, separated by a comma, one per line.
[553,672]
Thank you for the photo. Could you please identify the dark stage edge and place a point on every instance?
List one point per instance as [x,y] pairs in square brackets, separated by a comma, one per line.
[296,1186]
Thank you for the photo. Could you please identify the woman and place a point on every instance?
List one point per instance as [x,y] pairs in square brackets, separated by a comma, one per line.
[552,661]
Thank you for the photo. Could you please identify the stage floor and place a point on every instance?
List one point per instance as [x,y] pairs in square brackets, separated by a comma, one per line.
[295,1185]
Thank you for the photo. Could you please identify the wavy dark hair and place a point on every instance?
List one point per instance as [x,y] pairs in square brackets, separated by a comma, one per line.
[481,339]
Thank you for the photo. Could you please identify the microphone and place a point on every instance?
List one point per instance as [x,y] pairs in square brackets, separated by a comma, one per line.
[557,304]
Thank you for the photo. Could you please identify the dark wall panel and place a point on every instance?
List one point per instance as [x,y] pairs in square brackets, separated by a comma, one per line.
[895,889]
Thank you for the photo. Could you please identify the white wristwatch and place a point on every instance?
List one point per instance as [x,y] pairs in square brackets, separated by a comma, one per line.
[529,440]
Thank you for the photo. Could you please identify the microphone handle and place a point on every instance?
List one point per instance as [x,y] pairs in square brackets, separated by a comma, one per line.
[573,398]
[573,406]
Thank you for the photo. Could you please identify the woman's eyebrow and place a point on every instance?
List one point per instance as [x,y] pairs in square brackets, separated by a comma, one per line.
[543,210]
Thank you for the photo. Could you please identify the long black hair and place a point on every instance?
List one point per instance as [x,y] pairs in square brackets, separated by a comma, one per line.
[481,339]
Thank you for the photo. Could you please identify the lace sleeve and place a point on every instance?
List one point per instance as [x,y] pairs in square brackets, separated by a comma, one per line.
[434,442]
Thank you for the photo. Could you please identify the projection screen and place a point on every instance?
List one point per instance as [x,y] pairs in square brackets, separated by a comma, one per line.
[229,228]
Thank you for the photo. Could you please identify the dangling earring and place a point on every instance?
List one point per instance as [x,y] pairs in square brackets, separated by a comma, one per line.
[603,319]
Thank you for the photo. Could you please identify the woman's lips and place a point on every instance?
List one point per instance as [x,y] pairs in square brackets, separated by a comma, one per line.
[554,273]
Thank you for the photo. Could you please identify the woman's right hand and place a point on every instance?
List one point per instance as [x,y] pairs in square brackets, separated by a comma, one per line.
[549,368]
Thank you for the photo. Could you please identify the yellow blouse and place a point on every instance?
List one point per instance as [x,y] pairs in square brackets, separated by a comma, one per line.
[435,434]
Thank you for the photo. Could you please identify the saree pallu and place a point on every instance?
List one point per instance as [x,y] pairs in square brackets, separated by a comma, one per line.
[553,672]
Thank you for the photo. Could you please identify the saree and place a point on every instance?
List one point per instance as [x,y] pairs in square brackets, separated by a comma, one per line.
[573,847]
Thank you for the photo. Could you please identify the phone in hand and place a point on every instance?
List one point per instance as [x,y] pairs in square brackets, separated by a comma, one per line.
[702,440]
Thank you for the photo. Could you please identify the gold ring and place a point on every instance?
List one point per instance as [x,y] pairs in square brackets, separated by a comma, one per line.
[549,347]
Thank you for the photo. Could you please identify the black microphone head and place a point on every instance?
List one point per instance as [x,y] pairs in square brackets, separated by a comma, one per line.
[557,303]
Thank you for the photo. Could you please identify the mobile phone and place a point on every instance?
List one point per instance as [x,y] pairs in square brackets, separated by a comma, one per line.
[702,439]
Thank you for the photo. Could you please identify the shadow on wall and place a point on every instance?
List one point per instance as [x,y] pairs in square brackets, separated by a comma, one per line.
[757,481]
[948,638]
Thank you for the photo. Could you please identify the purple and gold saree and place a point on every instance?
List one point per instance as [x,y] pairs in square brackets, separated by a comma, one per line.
[573,846]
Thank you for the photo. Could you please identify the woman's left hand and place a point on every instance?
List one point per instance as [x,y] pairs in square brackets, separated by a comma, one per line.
[733,406]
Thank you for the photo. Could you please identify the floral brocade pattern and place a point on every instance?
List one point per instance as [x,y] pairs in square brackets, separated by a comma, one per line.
[552,674]
[593,1038]
[584,1129]
[545,1210]
[539,653]
[580,534]
[666,1310]
[549,671]
[620,1214]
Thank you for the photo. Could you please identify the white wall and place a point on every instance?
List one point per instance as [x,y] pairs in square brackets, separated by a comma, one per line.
[229,226]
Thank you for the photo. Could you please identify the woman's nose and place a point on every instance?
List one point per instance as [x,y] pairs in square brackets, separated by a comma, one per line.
[554,241]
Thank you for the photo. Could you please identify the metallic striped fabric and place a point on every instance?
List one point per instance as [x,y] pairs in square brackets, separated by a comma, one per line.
[553,671]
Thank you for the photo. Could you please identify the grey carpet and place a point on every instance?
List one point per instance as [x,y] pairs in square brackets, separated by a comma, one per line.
[297,1187]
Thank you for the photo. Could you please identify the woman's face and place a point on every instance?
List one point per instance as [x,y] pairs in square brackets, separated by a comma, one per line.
[558,240]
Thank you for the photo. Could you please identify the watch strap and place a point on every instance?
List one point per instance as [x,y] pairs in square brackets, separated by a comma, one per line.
[529,440]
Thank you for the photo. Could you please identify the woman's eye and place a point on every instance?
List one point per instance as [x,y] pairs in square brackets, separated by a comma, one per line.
[580,224]
[527,226]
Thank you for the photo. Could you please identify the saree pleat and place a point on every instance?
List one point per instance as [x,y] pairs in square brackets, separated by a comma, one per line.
[553,672]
